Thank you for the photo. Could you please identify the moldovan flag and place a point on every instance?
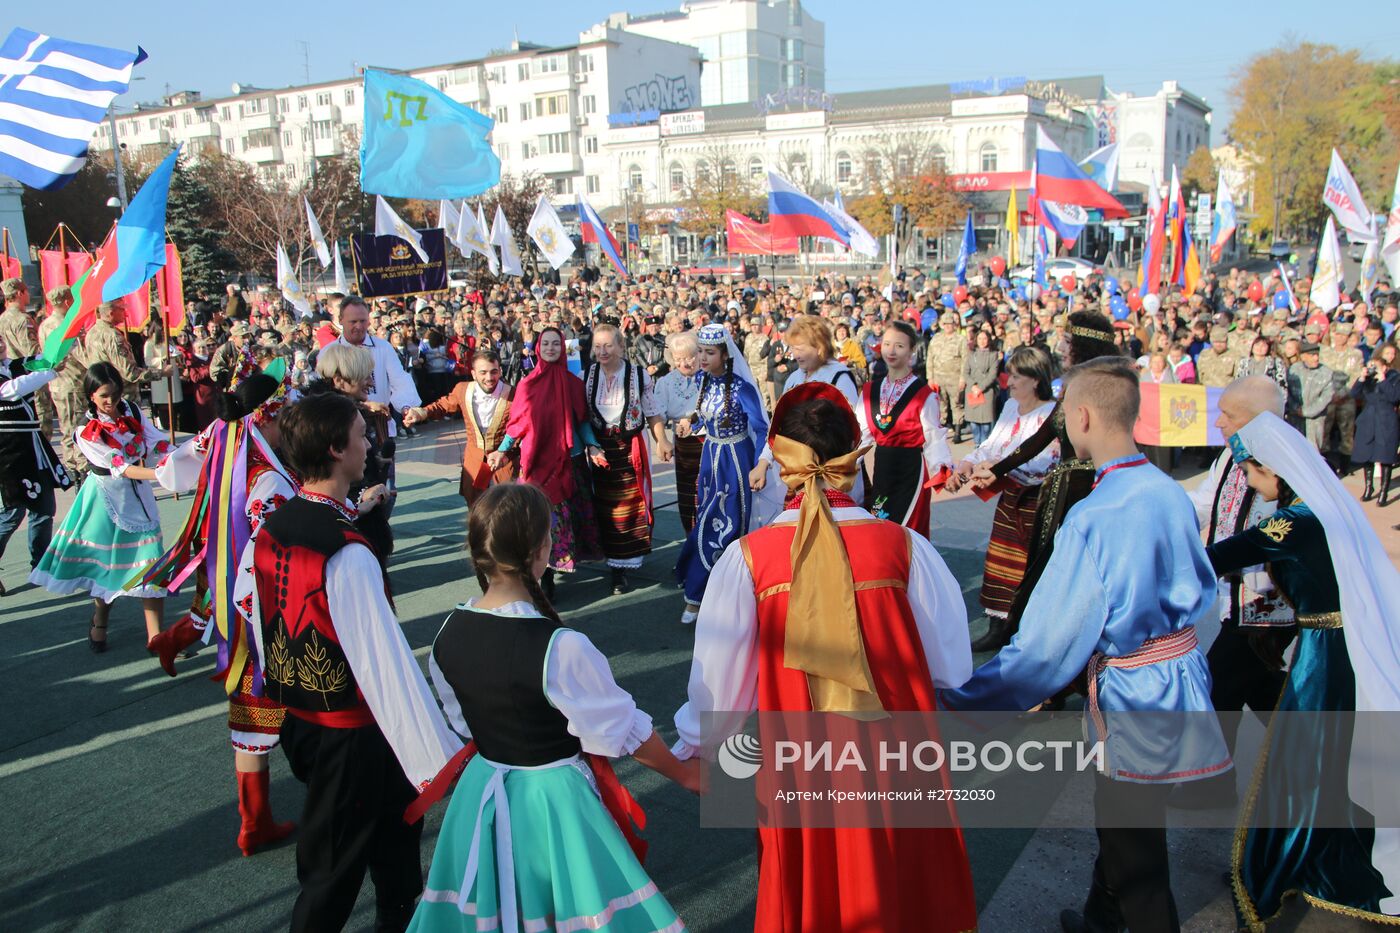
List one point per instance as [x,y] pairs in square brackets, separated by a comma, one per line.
[1176,415]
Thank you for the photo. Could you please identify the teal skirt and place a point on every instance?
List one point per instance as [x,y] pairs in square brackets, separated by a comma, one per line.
[1279,849]
[91,554]
[572,869]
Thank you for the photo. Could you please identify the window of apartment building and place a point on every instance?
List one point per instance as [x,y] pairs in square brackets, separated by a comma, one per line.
[550,64]
[204,116]
[794,13]
[260,139]
[563,186]
[590,103]
[592,184]
[585,62]
[989,157]
[286,137]
[283,105]
[527,150]
[792,50]
[522,71]
[323,129]
[349,97]
[188,118]
[702,172]
[323,99]
[755,167]
[228,146]
[301,102]
[634,177]
[462,76]
[498,74]
[677,177]
[728,169]
[792,75]
[844,168]
[442,82]
[551,106]
[554,144]
[224,113]
[502,114]
[733,43]
[524,112]
[153,122]
[590,145]
[291,170]
[122,127]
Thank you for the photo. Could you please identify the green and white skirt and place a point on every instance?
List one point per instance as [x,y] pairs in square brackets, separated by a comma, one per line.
[534,850]
[91,553]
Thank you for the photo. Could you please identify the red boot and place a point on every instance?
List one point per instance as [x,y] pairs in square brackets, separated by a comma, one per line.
[167,644]
[253,806]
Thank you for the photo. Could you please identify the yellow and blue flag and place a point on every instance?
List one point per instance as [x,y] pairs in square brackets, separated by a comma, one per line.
[420,143]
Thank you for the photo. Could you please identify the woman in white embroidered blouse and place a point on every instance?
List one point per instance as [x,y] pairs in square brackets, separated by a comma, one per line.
[1029,370]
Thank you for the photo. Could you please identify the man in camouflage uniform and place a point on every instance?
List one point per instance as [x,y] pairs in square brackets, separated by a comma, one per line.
[67,388]
[230,359]
[947,350]
[756,347]
[1346,363]
[1215,364]
[105,342]
[19,332]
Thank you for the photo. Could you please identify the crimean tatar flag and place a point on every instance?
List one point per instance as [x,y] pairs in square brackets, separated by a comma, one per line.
[1176,415]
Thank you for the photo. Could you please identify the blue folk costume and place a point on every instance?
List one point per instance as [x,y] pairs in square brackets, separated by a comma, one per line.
[729,411]
[1317,820]
[1121,595]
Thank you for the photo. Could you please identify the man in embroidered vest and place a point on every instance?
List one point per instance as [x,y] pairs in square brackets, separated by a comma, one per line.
[1121,595]
[1256,623]
[484,404]
[330,651]
[817,613]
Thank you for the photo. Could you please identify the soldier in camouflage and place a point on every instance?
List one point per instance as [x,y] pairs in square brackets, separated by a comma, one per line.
[1215,364]
[19,333]
[1311,388]
[947,351]
[105,343]
[1347,364]
[67,388]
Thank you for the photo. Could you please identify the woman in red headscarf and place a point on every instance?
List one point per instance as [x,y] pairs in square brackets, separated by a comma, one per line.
[548,423]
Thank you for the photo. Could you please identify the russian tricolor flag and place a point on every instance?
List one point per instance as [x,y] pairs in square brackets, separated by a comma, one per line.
[595,231]
[792,213]
[1058,178]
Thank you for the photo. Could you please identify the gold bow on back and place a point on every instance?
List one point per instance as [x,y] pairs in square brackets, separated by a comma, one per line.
[822,636]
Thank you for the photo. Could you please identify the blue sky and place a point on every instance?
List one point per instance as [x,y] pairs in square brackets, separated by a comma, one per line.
[888,43]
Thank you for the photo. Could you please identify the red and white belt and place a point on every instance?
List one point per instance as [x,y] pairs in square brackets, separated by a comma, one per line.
[1153,651]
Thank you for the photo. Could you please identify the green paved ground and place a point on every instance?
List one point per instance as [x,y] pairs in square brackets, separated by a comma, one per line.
[118,794]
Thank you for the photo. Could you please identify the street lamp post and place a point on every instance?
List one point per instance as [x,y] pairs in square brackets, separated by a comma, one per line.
[117,156]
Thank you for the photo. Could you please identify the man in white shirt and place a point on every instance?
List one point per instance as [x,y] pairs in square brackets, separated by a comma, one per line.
[390,383]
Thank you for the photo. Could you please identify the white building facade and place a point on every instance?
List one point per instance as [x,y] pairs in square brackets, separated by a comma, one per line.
[751,48]
[551,107]
[1158,131]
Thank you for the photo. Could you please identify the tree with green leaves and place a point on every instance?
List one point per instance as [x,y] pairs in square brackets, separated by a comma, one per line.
[1200,173]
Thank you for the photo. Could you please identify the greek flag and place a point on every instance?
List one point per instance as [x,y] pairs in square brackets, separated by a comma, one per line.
[53,95]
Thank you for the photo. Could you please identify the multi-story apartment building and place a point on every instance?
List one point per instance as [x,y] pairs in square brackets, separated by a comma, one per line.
[1158,131]
[751,48]
[552,107]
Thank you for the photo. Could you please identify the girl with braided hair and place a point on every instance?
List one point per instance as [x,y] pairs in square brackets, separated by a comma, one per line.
[544,715]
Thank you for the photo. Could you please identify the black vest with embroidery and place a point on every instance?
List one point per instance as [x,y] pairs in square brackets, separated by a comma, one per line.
[496,667]
[304,667]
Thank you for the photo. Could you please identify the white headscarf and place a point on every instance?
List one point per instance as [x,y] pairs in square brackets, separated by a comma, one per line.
[1370,594]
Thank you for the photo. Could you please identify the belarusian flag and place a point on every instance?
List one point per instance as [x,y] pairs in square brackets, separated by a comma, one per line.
[87,295]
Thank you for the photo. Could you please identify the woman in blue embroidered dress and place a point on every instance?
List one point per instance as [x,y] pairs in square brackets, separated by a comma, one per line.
[729,410]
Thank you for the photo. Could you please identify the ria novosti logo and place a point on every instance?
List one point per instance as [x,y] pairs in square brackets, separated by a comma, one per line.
[740,756]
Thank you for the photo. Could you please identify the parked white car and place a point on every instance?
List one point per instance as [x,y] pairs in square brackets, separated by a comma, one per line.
[1056,269]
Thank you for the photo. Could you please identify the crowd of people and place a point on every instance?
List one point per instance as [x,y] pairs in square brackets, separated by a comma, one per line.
[812,426]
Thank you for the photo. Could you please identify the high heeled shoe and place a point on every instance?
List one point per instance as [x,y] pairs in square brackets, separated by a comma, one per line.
[95,646]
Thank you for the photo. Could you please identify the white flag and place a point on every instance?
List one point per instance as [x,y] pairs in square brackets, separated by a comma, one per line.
[860,238]
[1343,199]
[323,253]
[387,223]
[1390,251]
[1370,270]
[471,237]
[449,219]
[1327,278]
[342,285]
[500,236]
[288,284]
[491,260]
[549,234]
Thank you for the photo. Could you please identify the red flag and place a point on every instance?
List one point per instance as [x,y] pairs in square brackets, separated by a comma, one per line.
[749,237]
[171,288]
[9,265]
[137,307]
[61,267]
